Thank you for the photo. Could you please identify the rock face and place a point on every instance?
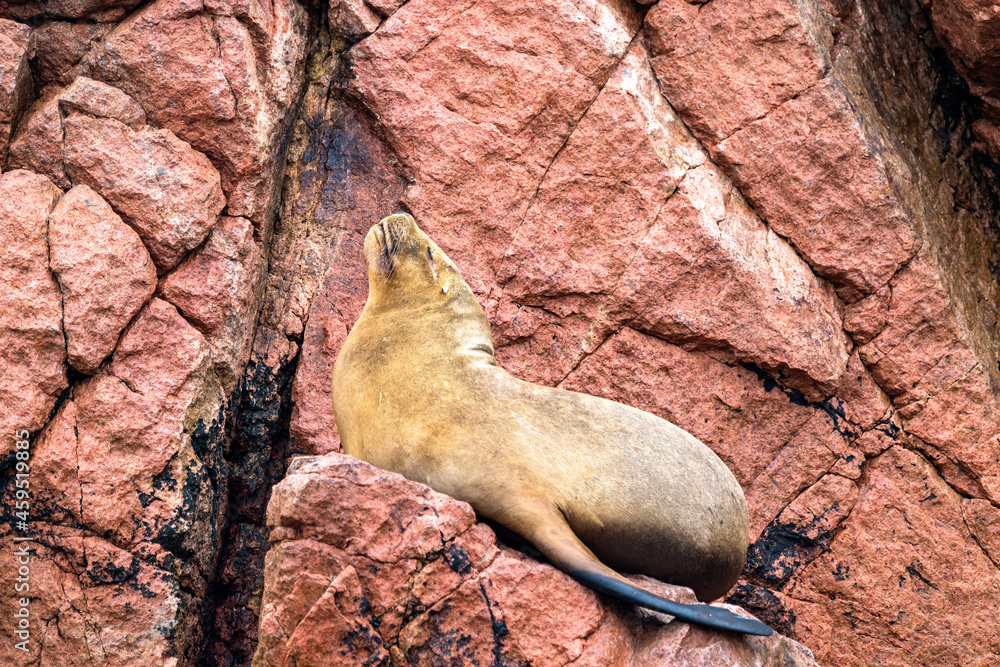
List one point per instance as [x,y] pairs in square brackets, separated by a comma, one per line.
[15,80]
[968,31]
[360,587]
[773,223]
[130,307]
[31,329]
[104,272]
[798,266]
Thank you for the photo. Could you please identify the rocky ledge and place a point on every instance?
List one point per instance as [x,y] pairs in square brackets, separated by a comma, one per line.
[369,568]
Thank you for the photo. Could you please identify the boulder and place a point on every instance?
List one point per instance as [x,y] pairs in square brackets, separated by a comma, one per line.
[367,567]
[105,275]
[31,321]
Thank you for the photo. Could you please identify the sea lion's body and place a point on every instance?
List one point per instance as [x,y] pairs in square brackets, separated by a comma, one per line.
[416,390]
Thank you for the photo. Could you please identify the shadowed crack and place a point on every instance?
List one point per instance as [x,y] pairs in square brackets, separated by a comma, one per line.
[498,627]
[332,165]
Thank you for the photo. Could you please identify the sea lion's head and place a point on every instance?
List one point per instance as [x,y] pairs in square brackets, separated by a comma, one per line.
[402,260]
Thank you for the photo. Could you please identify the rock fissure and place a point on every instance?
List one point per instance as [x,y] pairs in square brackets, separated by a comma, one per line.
[986,552]
[649,230]
[498,628]
[541,180]
[456,15]
[89,616]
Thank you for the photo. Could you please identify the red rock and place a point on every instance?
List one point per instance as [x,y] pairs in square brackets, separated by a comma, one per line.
[101,101]
[827,172]
[464,93]
[76,578]
[189,82]
[168,192]
[98,10]
[621,162]
[679,215]
[385,7]
[352,18]
[220,84]
[59,45]
[330,284]
[31,335]
[915,356]
[819,511]
[941,387]
[218,288]
[983,520]
[38,143]
[766,38]
[866,318]
[542,166]
[134,453]
[343,292]
[860,400]
[706,233]
[788,136]
[361,572]
[15,78]
[900,562]
[834,152]
[140,476]
[969,31]
[94,134]
[962,422]
[104,273]
[55,475]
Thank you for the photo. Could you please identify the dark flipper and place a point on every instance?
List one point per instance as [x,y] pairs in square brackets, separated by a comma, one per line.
[546,527]
[701,614]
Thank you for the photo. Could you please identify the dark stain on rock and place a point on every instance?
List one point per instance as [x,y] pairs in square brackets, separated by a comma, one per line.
[256,459]
[765,605]
[174,536]
[109,573]
[782,550]
[833,407]
[500,632]
[457,559]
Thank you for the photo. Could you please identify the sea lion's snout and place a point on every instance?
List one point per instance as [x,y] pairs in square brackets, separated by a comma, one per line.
[386,241]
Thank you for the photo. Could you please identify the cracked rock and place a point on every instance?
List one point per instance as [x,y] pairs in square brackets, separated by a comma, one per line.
[104,272]
[167,191]
[218,289]
[401,574]
[31,335]
[15,78]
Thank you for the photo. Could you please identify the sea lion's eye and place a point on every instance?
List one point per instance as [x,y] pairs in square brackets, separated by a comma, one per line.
[430,257]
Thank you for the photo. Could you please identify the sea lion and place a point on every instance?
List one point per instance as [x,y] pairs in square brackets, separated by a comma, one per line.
[593,484]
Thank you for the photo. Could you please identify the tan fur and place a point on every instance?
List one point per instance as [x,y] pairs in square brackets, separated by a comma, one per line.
[416,390]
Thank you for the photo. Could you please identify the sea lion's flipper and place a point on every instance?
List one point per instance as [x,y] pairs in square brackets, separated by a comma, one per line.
[554,537]
[700,614]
